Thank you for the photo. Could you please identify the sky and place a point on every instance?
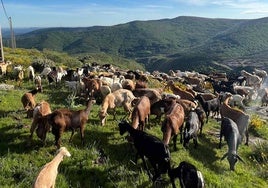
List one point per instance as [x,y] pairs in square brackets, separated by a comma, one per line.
[85,13]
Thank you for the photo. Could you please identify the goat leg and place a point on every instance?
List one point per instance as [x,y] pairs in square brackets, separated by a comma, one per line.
[72,135]
[247,137]
[82,134]
[146,167]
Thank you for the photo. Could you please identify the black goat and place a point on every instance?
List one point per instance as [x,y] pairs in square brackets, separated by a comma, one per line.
[150,147]
[212,105]
[188,175]
[192,126]
[231,134]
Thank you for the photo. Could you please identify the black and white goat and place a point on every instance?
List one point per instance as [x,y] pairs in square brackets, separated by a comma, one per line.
[188,175]
[191,129]
[231,134]
[150,147]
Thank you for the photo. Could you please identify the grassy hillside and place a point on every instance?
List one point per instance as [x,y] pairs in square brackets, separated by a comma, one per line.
[20,162]
[26,57]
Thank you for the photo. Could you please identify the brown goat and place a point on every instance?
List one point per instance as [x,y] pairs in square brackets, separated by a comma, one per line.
[128,84]
[28,100]
[141,84]
[141,113]
[64,119]
[39,119]
[173,123]
[178,91]
[238,116]
[187,105]
[92,85]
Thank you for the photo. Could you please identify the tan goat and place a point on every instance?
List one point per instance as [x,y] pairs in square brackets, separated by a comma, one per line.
[48,174]
[41,110]
[121,97]
[238,116]
[28,100]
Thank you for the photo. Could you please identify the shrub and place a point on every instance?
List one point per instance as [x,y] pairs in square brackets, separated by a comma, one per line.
[260,157]
[256,121]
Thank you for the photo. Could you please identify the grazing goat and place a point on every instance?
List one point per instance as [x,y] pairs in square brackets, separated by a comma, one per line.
[188,175]
[178,91]
[192,126]
[121,97]
[212,105]
[173,123]
[150,147]
[238,116]
[153,94]
[48,174]
[231,134]
[41,110]
[28,100]
[140,113]
[64,119]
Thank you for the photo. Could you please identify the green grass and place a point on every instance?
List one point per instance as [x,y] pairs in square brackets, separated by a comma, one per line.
[20,163]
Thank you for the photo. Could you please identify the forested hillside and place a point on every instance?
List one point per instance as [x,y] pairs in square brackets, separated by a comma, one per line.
[179,43]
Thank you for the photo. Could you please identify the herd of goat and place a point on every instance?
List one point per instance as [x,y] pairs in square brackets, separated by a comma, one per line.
[186,107]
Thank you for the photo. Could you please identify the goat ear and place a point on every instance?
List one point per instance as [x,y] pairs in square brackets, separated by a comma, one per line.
[225,155]
[240,158]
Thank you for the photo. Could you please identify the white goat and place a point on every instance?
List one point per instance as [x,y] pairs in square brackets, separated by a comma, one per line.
[30,72]
[48,174]
[237,100]
[45,71]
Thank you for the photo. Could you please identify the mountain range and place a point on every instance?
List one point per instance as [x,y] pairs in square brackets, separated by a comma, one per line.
[185,43]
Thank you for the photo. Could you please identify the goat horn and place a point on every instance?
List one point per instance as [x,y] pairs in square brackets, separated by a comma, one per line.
[225,155]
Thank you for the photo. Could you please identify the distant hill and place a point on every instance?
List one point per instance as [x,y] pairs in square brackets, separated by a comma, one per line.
[18,31]
[181,43]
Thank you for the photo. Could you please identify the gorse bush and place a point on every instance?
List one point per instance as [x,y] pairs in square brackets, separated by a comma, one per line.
[256,122]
